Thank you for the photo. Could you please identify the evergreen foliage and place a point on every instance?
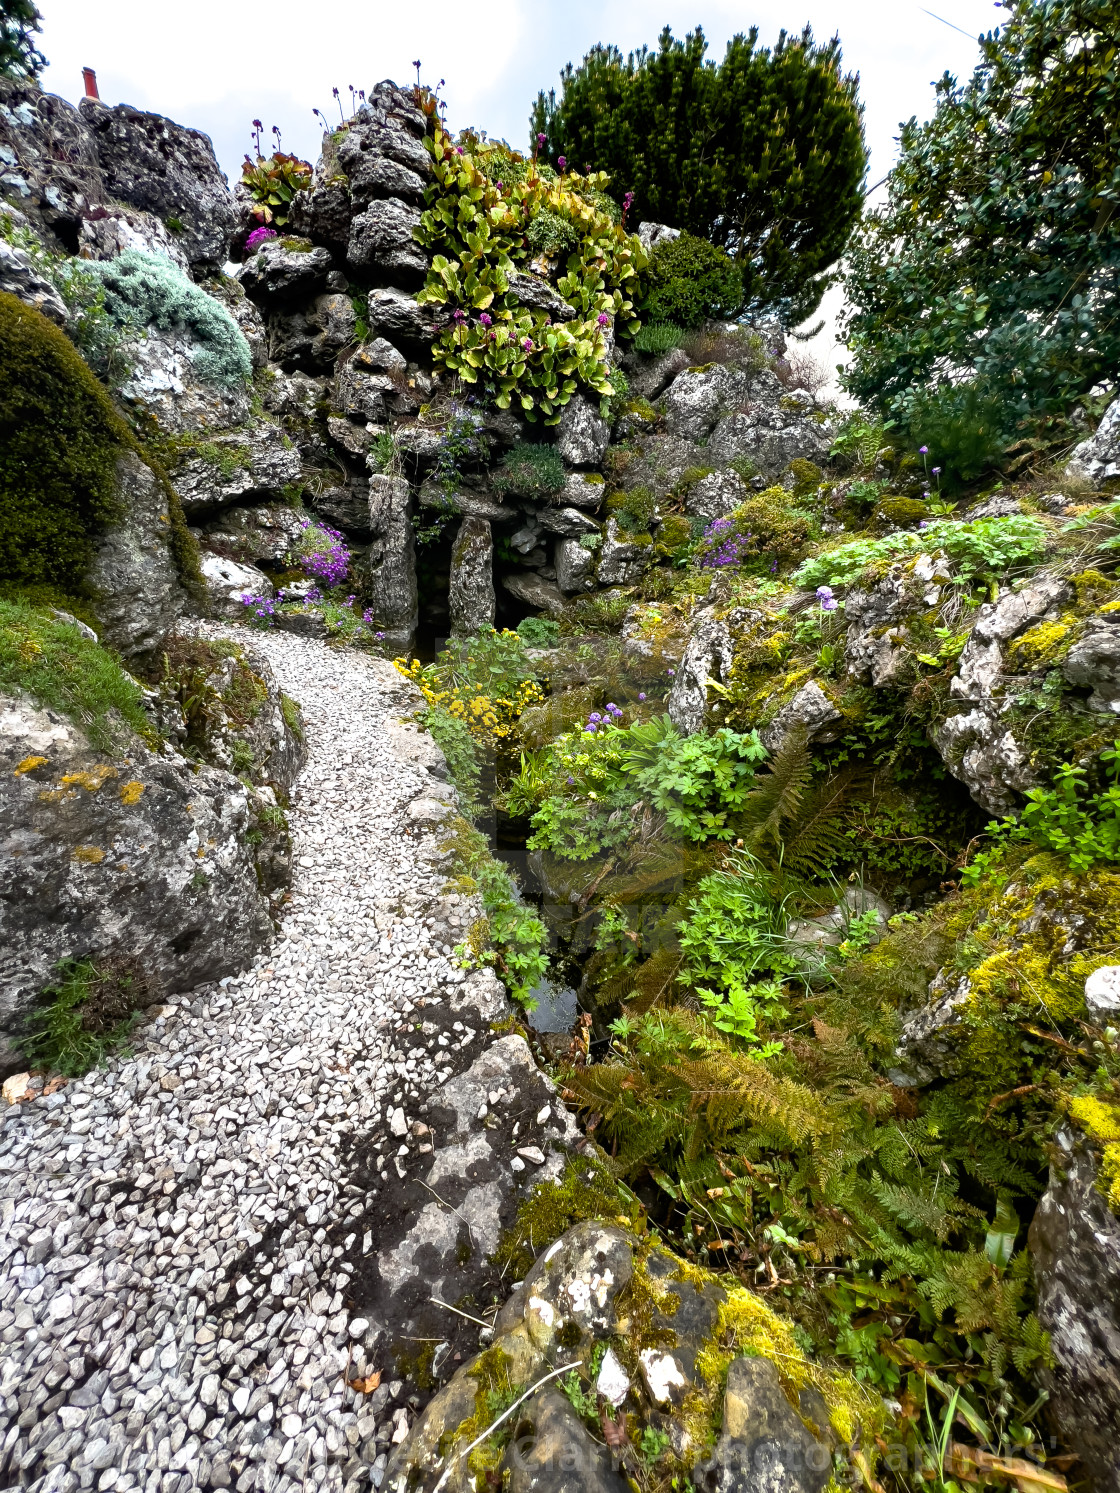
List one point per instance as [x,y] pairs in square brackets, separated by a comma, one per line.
[997,257]
[19,56]
[762,153]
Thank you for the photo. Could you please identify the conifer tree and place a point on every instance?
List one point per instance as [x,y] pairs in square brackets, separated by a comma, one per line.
[19,56]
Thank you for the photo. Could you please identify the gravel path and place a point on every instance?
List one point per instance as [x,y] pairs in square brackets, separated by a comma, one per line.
[135,1351]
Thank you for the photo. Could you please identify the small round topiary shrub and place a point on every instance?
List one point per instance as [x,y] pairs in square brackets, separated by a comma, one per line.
[691,281]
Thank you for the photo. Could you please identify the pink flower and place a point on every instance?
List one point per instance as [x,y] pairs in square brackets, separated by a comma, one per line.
[604,319]
[561,162]
[527,344]
[541,140]
[486,319]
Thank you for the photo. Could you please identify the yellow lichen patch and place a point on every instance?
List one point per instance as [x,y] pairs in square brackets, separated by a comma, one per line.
[130,793]
[1099,1119]
[29,764]
[1041,645]
[91,780]
[89,855]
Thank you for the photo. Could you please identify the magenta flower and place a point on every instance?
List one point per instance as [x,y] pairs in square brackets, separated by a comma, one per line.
[258,237]
[604,319]
[486,319]
[458,150]
[527,344]
[627,201]
[458,315]
[561,162]
[541,140]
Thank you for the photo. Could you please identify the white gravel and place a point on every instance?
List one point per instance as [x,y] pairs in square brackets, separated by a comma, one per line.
[134,1354]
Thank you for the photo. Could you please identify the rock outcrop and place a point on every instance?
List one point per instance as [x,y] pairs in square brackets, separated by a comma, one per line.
[128,853]
[1075,1247]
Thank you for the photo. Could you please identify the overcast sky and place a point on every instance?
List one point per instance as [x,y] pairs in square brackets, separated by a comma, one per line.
[217,64]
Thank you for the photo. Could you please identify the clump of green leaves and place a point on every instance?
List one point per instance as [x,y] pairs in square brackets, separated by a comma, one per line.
[87,1014]
[272,181]
[655,339]
[516,940]
[531,471]
[146,290]
[538,632]
[455,741]
[986,547]
[603,776]
[480,206]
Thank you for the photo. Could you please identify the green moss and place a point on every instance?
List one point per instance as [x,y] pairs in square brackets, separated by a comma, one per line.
[1042,645]
[807,477]
[585,1191]
[60,441]
[902,513]
[293,716]
[62,670]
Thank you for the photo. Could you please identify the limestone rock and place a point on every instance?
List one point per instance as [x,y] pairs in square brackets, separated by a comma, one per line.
[311,337]
[621,560]
[381,240]
[536,592]
[1102,992]
[765,1446]
[345,507]
[997,623]
[19,277]
[227,582]
[166,169]
[772,429]
[125,852]
[133,574]
[810,712]
[322,213]
[48,164]
[277,274]
[532,291]
[707,656]
[372,384]
[1075,1245]
[263,533]
[417,748]
[696,399]
[471,593]
[653,378]
[1094,663]
[392,559]
[1098,458]
[980,748]
[164,387]
[257,462]
[582,435]
[555,1453]
[716,495]
[396,316]
[583,490]
[927,1041]
[567,521]
[653,235]
[575,566]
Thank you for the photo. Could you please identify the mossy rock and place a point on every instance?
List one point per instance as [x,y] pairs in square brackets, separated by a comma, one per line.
[61,440]
[901,513]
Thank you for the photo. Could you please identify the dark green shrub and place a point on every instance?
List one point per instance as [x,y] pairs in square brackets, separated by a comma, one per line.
[658,338]
[60,440]
[964,431]
[761,152]
[19,56]
[549,233]
[538,632]
[635,510]
[531,472]
[691,281]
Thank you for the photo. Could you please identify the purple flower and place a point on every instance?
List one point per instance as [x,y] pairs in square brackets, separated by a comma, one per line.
[541,140]
[829,604]
[571,779]
[641,696]
[824,593]
[936,471]
[258,237]
[627,200]
[924,524]
[590,730]
[561,162]
[486,319]
[594,718]
[459,315]
[604,319]
[527,344]
[670,672]
[458,150]
[923,450]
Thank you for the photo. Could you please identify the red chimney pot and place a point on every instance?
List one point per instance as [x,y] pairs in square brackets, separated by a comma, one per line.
[89,78]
